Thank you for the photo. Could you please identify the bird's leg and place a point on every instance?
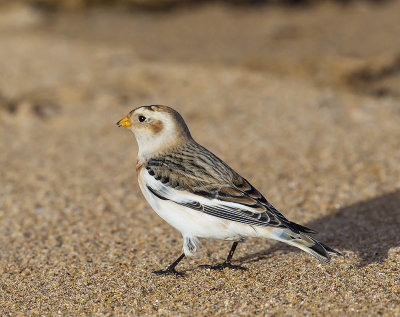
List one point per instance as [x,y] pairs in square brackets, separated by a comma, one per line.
[227,263]
[171,269]
[231,252]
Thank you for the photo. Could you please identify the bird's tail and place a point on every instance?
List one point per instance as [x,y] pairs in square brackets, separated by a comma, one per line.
[304,242]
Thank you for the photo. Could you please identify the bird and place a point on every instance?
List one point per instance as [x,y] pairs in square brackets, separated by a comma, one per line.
[200,195]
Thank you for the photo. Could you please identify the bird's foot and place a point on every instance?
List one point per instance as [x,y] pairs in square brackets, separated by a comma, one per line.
[169,271]
[223,265]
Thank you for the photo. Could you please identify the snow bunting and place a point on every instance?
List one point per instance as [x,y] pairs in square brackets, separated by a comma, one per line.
[200,195]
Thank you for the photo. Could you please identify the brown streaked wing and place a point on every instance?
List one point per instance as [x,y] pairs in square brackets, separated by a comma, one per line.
[194,169]
[230,194]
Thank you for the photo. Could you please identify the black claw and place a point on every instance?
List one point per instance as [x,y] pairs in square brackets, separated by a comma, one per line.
[169,272]
[223,265]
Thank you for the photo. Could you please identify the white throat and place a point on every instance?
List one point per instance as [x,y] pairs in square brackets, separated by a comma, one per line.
[150,145]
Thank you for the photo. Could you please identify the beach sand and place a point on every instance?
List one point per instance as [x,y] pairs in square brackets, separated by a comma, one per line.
[303,102]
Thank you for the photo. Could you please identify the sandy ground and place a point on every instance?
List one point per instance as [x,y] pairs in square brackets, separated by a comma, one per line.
[302,102]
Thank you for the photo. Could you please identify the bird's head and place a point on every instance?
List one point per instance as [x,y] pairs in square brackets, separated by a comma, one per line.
[156,128]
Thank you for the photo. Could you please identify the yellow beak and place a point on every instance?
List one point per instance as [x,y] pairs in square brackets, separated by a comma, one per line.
[124,122]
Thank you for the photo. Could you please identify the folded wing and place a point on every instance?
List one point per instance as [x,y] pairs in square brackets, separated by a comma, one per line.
[240,202]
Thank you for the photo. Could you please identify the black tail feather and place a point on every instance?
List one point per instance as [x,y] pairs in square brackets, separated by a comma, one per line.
[320,249]
[299,228]
[329,249]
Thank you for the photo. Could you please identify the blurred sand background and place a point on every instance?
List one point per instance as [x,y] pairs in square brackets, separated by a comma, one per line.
[303,100]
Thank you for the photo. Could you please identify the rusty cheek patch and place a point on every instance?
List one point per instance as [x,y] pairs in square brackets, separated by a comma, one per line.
[156,127]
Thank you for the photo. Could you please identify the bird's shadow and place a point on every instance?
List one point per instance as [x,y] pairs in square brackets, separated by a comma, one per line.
[369,228]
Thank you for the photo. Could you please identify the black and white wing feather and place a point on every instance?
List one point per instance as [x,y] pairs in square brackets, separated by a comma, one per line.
[203,182]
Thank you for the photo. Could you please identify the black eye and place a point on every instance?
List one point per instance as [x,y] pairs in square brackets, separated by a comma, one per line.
[142,118]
